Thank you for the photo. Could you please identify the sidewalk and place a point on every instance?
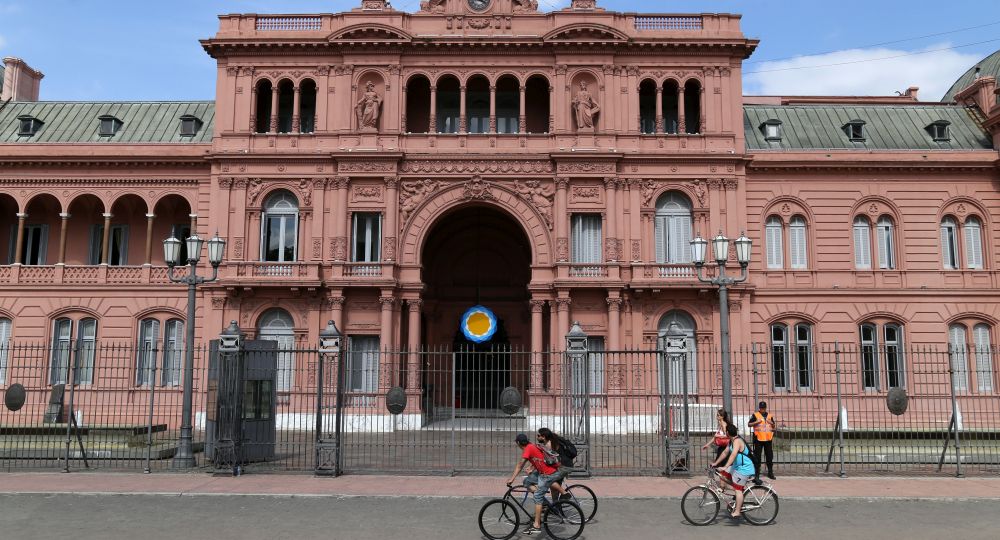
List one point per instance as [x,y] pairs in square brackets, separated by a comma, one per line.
[178,484]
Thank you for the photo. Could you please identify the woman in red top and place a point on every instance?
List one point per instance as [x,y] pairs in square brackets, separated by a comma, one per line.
[720,438]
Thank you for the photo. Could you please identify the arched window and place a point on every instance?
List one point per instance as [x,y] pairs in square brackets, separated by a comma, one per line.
[279,228]
[448,100]
[149,334]
[670,106]
[263,110]
[973,243]
[307,106]
[647,106]
[984,358]
[882,345]
[692,106]
[797,243]
[895,364]
[173,353]
[63,343]
[779,356]
[676,370]
[277,325]
[418,105]
[673,229]
[949,243]
[862,243]
[150,349]
[536,105]
[869,356]
[5,326]
[775,249]
[886,243]
[508,106]
[477,105]
[286,104]
[803,356]
[958,350]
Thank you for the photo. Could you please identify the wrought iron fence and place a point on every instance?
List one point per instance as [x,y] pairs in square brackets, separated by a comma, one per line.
[630,412]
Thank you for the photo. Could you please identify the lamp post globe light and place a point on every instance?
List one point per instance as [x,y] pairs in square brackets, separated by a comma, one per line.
[720,250]
[184,458]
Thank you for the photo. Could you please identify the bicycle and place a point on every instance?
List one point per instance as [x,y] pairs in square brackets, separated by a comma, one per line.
[701,503]
[500,519]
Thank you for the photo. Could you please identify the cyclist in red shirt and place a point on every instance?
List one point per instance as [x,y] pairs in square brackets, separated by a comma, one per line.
[540,479]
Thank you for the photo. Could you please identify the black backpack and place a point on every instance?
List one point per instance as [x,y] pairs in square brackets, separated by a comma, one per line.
[567,450]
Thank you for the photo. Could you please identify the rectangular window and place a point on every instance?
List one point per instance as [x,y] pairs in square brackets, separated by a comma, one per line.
[367,234]
[886,249]
[949,253]
[775,251]
[258,399]
[869,357]
[779,356]
[590,380]
[984,358]
[797,241]
[586,239]
[803,356]
[673,239]
[958,350]
[362,368]
[973,244]
[862,244]
[895,364]
[86,349]
[149,333]
[35,244]
[173,353]
[62,330]
[117,245]
[5,328]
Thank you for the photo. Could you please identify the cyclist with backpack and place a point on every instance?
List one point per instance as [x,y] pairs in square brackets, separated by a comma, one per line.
[739,466]
[553,444]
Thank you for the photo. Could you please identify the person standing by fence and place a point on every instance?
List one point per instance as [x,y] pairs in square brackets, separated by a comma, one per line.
[762,423]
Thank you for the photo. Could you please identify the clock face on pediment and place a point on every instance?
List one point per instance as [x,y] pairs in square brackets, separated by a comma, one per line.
[478,5]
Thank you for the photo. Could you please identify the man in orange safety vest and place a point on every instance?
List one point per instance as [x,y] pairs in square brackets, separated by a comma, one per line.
[762,423]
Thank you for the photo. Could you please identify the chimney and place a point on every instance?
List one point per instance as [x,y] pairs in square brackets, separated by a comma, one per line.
[20,82]
[911,92]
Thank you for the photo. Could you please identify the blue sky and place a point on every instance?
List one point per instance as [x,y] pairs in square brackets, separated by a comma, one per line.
[147,50]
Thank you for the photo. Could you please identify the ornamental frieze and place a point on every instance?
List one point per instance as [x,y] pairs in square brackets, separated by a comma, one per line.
[414,192]
[365,166]
[588,167]
[366,194]
[538,196]
[477,166]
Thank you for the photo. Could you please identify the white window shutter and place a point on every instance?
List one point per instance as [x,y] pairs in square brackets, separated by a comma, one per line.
[661,239]
[973,244]
[984,358]
[687,234]
[884,246]
[947,245]
[798,241]
[959,362]
[4,348]
[775,253]
[862,244]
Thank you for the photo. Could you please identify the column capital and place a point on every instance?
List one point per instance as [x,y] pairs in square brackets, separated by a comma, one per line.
[21,215]
[610,182]
[65,215]
[614,304]
[414,304]
[148,216]
[562,304]
[336,302]
[536,305]
[386,302]
[391,182]
[106,215]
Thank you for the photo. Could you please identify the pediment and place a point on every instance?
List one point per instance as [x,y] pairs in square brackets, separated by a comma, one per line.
[585,32]
[371,32]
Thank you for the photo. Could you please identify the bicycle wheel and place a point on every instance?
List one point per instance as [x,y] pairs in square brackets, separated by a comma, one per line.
[563,520]
[499,519]
[585,498]
[760,505]
[700,505]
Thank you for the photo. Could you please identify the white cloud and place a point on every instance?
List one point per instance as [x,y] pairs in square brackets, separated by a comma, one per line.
[861,72]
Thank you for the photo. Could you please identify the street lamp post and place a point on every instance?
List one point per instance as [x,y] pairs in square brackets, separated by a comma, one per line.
[720,248]
[171,255]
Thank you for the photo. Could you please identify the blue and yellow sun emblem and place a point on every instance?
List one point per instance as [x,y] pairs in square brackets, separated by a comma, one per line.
[479,324]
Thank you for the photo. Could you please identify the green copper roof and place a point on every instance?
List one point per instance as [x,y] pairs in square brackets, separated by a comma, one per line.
[887,127]
[77,122]
[988,67]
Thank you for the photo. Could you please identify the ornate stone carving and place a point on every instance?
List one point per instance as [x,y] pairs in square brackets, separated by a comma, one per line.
[338,248]
[389,248]
[238,248]
[386,302]
[391,182]
[585,108]
[306,190]
[477,188]
[482,166]
[562,304]
[366,193]
[232,71]
[562,249]
[700,191]
[317,251]
[525,6]
[368,108]
[536,305]
[586,192]
[714,183]
[731,183]
[647,188]
[366,166]
[614,304]
[538,195]
[610,250]
[254,188]
[434,6]
[218,302]
[636,251]
[412,193]
[478,23]
[225,182]
[584,4]
[587,167]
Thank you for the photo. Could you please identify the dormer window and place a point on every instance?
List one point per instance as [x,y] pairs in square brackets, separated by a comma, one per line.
[855,130]
[939,130]
[190,125]
[109,125]
[29,125]
[771,129]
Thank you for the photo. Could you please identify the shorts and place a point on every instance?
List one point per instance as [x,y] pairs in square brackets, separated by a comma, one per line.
[739,480]
[560,475]
[542,481]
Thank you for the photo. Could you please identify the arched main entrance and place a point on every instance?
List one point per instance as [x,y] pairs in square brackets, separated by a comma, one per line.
[478,255]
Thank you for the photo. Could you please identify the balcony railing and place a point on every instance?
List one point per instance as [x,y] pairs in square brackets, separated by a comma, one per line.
[363,269]
[669,271]
[270,271]
[288,24]
[588,270]
[668,23]
[69,274]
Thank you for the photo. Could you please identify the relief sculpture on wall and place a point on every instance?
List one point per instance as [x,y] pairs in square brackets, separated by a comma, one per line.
[368,108]
[539,196]
[585,108]
[412,193]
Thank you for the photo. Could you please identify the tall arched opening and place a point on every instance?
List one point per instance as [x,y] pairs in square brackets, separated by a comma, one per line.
[477,255]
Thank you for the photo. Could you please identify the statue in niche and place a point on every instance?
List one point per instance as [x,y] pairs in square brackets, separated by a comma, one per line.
[367,108]
[525,6]
[586,108]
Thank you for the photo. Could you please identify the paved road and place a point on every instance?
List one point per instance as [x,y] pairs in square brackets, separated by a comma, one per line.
[155,517]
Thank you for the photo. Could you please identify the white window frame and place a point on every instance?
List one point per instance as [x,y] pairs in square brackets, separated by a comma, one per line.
[587,234]
[363,364]
[278,325]
[673,229]
[774,233]
[97,242]
[869,347]
[173,352]
[862,243]
[894,349]
[984,358]
[366,229]
[804,356]
[29,243]
[885,233]
[86,350]
[798,243]
[62,338]
[958,352]
[779,357]
[949,244]
[6,327]
[973,233]
[149,334]
[288,215]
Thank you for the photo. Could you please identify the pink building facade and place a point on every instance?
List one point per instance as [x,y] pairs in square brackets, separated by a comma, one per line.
[389,170]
